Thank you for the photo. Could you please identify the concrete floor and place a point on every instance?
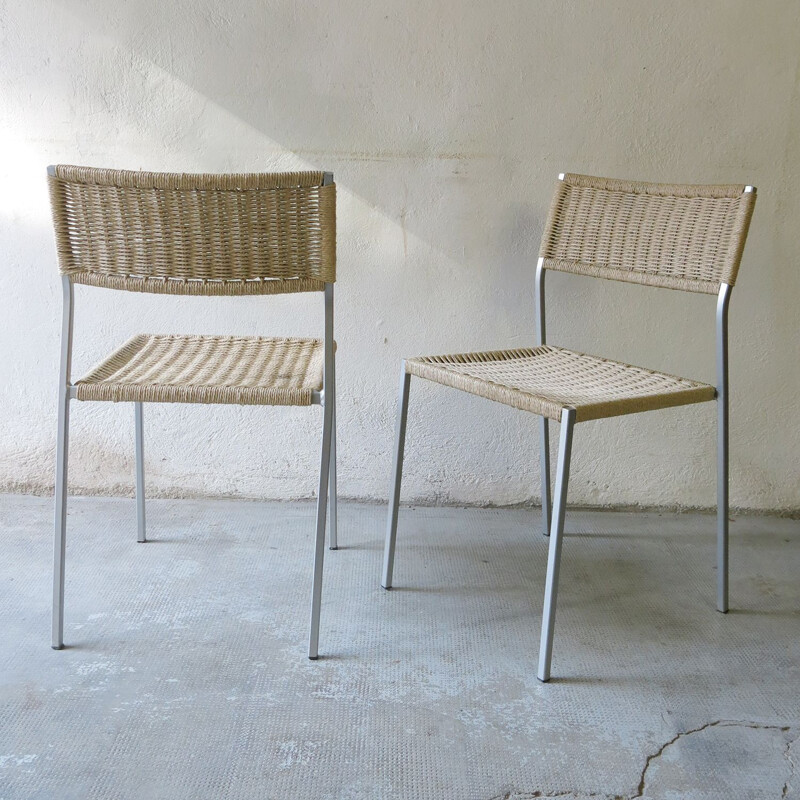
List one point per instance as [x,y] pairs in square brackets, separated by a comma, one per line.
[186,675]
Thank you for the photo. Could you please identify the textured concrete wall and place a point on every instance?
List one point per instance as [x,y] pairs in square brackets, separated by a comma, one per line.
[445,124]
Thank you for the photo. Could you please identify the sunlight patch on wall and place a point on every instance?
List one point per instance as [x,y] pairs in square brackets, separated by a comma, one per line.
[23,188]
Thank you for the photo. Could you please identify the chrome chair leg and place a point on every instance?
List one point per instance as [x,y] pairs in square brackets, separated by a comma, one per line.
[722,447]
[397,478]
[545,471]
[60,541]
[722,506]
[62,461]
[554,554]
[319,546]
[140,518]
[333,542]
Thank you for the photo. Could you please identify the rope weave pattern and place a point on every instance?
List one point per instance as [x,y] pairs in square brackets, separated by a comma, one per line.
[676,236]
[208,369]
[195,234]
[545,380]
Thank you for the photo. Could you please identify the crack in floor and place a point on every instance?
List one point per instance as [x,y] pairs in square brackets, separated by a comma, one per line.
[720,723]
[788,756]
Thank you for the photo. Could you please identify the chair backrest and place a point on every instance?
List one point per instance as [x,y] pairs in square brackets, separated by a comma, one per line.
[677,236]
[195,234]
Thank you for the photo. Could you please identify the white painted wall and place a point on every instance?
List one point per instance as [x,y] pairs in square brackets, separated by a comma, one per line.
[446,124]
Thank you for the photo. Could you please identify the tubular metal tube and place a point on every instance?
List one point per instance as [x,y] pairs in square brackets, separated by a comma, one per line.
[722,447]
[547,508]
[538,292]
[319,546]
[140,517]
[554,552]
[541,338]
[397,478]
[62,453]
[330,392]
[324,471]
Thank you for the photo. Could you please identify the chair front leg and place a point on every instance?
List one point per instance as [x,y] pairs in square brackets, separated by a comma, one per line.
[722,447]
[319,547]
[62,453]
[545,471]
[722,505]
[60,539]
[397,478]
[140,518]
[554,553]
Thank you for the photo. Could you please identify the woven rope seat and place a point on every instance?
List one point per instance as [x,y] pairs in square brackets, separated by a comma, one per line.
[683,237]
[208,369]
[175,233]
[545,380]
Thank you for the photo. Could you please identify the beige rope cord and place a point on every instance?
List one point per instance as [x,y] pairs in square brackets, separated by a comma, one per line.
[174,233]
[545,380]
[676,236]
[208,369]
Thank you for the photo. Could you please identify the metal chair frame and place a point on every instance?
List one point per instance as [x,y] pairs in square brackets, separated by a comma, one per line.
[553,513]
[327,475]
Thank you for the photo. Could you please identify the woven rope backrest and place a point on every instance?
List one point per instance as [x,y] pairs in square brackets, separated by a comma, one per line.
[194,234]
[677,236]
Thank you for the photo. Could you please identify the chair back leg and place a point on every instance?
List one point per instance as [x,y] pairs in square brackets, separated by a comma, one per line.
[554,552]
[140,518]
[397,478]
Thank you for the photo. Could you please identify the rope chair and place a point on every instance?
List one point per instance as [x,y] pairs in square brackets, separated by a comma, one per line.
[674,236]
[210,235]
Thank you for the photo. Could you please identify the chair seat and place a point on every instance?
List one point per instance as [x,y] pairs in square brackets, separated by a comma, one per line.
[246,370]
[546,380]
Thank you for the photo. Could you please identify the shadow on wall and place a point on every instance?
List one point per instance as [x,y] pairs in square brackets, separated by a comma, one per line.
[409,104]
[472,95]
[446,126]
[451,126]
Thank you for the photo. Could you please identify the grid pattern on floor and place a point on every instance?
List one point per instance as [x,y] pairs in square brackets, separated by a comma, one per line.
[185,674]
